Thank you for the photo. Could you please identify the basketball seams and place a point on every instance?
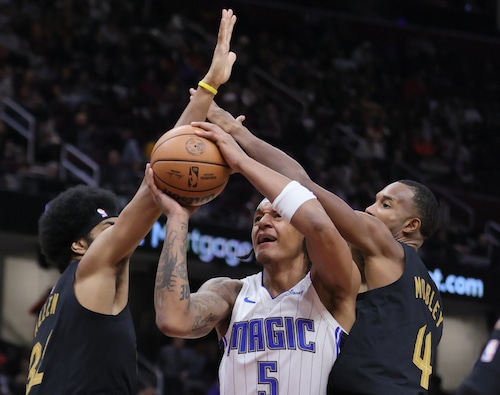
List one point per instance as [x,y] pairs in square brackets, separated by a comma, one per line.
[211,189]
[160,142]
[188,167]
[184,154]
[192,161]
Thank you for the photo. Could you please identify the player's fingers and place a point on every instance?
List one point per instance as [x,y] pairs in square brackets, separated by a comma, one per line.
[232,22]
[207,126]
[222,27]
[149,177]
[192,91]
[209,134]
[231,59]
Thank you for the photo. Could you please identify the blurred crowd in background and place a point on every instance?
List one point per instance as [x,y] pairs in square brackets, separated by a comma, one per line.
[356,101]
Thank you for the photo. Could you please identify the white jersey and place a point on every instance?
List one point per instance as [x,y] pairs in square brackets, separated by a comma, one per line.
[284,345]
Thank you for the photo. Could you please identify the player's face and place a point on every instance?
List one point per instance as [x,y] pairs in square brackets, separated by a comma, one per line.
[393,206]
[274,238]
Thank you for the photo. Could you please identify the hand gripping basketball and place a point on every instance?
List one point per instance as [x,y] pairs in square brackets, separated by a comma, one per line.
[188,167]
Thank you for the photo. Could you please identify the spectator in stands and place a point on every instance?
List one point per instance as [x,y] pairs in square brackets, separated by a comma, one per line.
[118,176]
[175,361]
[131,153]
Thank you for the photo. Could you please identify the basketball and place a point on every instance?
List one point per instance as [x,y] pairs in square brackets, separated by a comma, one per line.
[187,167]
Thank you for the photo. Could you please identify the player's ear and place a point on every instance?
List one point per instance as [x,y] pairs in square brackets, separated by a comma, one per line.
[80,246]
[412,225]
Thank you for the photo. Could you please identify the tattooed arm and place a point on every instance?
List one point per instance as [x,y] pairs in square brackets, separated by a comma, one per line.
[178,312]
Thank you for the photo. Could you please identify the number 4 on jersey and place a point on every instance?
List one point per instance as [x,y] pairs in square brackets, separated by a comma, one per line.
[423,363]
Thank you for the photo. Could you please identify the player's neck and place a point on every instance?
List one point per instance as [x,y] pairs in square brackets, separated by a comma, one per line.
[278,281]
[414,243]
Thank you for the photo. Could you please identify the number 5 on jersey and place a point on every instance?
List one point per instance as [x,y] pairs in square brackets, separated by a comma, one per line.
[264,368]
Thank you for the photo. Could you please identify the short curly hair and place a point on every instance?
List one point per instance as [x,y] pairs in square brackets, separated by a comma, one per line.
[71,215]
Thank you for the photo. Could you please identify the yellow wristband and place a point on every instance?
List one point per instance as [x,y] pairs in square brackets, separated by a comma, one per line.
[209,88]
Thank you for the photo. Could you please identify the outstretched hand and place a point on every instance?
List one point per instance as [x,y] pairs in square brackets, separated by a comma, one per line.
[218,73]
[223,58]
[167,204]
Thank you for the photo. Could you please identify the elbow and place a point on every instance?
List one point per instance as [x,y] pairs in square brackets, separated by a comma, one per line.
[325,232]
[170,327]
[321,226]
[163,325]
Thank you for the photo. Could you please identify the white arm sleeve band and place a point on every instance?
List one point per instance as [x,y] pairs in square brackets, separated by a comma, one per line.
[291,198]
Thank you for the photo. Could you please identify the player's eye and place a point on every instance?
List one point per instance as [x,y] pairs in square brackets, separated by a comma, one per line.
[107,224]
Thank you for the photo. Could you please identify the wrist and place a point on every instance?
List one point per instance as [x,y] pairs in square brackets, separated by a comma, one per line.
[209,86]
[209,79]
[242,135]
[291,197]
[179,215]
[244,165]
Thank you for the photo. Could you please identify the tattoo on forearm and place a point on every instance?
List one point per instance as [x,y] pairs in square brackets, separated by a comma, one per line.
[185,292]
[172,266]
[204,317]
[201,322]
[172,286]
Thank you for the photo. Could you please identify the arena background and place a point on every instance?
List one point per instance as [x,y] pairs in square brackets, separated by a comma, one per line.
[360,92]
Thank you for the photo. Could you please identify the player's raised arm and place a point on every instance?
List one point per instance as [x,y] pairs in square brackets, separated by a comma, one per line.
[180,313]
[219,72]
[332,266]
[366,233]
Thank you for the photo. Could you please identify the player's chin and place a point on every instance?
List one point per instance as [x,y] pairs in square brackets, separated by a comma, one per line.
[263,253]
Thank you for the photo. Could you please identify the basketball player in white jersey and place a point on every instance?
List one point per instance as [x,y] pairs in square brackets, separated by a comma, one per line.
[280,328]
